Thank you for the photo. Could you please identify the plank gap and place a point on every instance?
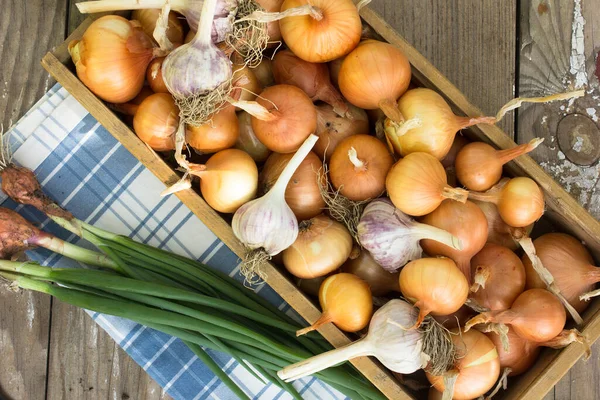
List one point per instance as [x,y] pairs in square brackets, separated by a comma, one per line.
[48,355]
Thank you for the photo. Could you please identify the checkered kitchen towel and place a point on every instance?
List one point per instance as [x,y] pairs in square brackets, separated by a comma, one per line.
[88,172]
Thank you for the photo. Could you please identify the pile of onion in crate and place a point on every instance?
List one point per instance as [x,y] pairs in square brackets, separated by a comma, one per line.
[306,128]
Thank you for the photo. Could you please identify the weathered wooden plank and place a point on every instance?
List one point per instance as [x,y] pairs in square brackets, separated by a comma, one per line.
[471,42]
[23,344]
[85,363]
[75,17]
[555,56]
[27,31]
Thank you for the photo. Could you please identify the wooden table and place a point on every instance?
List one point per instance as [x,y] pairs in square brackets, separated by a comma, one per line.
[492,50]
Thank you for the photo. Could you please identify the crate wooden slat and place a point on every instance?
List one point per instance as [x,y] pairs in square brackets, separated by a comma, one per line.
[562,209]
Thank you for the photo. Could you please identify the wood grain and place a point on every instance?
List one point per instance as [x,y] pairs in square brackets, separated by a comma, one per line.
[545,67]
[27,31]
[85,362]
[471,42]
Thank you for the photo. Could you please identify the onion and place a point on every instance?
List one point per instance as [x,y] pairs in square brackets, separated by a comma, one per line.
[392,237]
[476,370]
[148,17]
[498,277]
[312,78]
[346,301]
[467,223]
[267,225]
[156,121]
[285,118]
[435,285]
[302,193]
[331,29]
[332,129]
[228,180]
[218,134]
[479,165]
[252,87]
[154,76]
[322,247]
[247,140]
[498,231]
[417,185]
[520,200]
[429,126]
[374,76]
[112,57]
[535,315]
[380,281]
[570,264]
[358,167]
[264,72]
[131,107]
[523,353]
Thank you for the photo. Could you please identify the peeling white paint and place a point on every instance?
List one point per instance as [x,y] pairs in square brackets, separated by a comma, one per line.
[577,60]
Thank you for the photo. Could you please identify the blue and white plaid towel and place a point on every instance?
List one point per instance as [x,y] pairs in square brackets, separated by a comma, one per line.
[88,172]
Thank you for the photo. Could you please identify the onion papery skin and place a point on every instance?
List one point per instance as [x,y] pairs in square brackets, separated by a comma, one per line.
[322,246]
[112,57]
[295,118]
[147,18]
[521,355]
[156,121]
[302,193]
[218,134]
[334,36]
[247,140]
[252,87]
[312,78]
[417,185]
[570,264]
[373,73]
[466,222]
[366,181]
[332,128]
[380,281]
[505,277]
[435,285]
[229,180]
[154,76]
[459,142]
[438,127]
[351,315]
[536,315]
[273,29]
[478,366]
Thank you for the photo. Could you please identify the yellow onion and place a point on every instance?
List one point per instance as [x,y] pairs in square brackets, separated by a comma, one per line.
[228,180]
[435,285]
[428,124]
[380,281]
[112,57]
[330,32]
[250,87]
[322,246]
[154,76]
[302,193]
[264,72]
[156,121]
[375,75]
[220,133]
[346,301]
[476,369]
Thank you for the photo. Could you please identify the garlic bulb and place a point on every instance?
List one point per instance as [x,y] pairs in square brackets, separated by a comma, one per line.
[392,237]
[396,347]
[267,225]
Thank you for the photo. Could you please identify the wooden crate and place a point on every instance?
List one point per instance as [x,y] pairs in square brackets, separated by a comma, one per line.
[562,210]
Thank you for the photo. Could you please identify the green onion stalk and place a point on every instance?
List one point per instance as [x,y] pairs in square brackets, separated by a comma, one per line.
[167,292]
